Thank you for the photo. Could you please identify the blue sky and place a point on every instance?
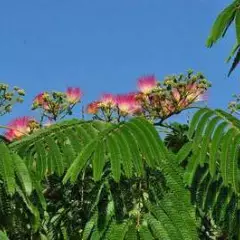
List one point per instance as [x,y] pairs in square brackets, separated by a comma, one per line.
[103,46]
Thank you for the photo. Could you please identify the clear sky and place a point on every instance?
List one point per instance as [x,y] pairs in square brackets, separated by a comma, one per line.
[103,46]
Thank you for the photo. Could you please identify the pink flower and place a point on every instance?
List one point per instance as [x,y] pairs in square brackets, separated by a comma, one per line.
[191,87]
[147,83]
[176,94]
[73,95]
[128,104]
[107,100]
[183,103]
[40,100]
[167,107]
[93,107]
[202,97]
[18,128]
[197,96]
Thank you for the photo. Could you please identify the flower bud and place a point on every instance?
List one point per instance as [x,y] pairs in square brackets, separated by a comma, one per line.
[21,92]
[8,108]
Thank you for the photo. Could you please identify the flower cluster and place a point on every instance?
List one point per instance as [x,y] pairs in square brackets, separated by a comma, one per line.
[21,127]
[56,105]
[174,95]
[234,106]
[8,98]
[153,99]
[111,107]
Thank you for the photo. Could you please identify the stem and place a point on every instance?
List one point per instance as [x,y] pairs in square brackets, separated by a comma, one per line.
[163,119]
[83,116]
[139,205]
[82,188]
[67,112]
[119,115]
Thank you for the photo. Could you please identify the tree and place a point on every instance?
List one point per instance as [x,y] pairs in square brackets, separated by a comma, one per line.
[108,178]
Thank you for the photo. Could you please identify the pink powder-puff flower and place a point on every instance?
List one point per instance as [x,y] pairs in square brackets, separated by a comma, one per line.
[191,87]
[73,95]
[19,127]
[40,100]
[147,83]
[167,107]
[176,94]
[107,100]
[92,108]
[9,135]
[197,96]
[202,97]
[127,103]
[183,103]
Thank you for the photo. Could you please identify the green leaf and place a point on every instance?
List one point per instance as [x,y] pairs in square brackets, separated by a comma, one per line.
[200,129]
[191,168]
[206,139]
[84,134]
[195,120]
[216,139]
[132,233]
[237,26]
[98,161]
[226,146]
[89,227]
[228,117]
[181,219]
[3,236]
[159,231]
[74,140]
[136,154]
[168,217]
[127,160]
[234,49]
[41,162]
[233,165]
[222,23]
[235,62]
[34,211]
[6,168]
[115,156]
[39,190]
[69,154]
[118,231]
[55,155]
[143,143]
[184,152]
[159,150]
[145,233]
[22,173]
[80,162]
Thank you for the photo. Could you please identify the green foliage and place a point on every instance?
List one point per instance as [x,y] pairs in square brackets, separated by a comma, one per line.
[224,20]
[124,184]
[212,172]
[161,221]
[3,236]
[177,137]
[51,150]
[144,143]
